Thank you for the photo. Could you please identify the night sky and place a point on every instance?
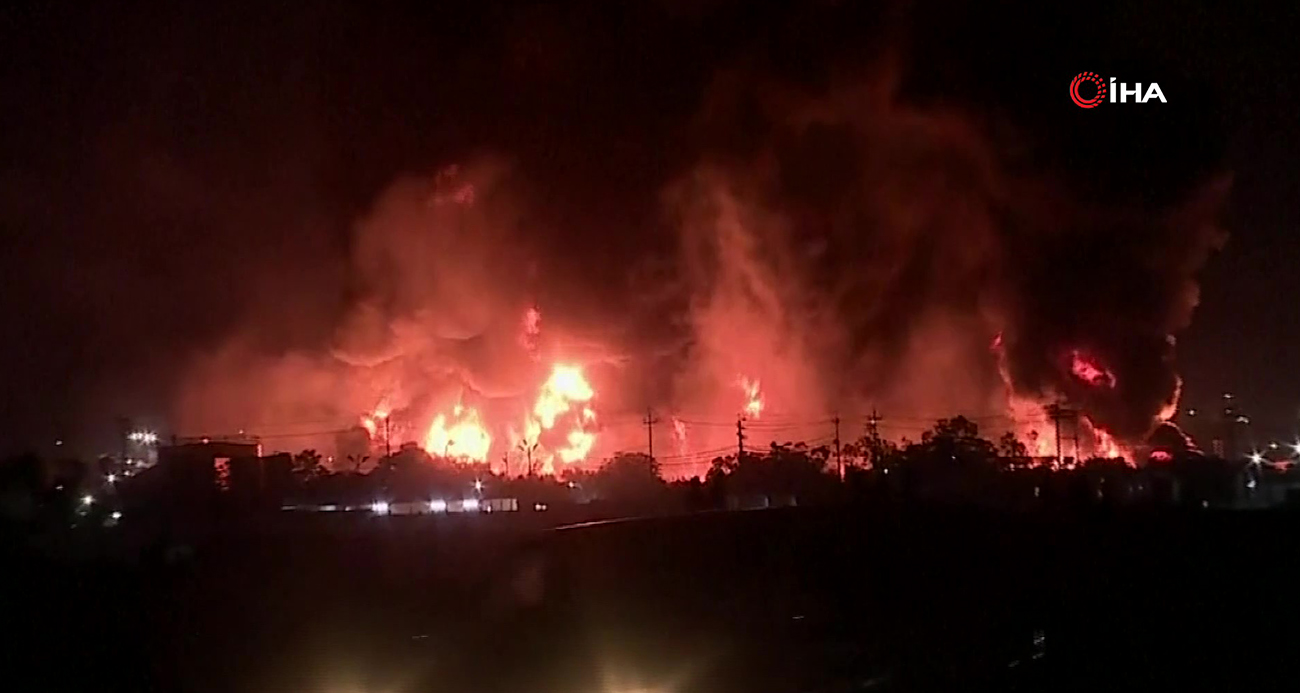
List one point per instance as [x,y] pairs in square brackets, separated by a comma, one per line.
[169,171]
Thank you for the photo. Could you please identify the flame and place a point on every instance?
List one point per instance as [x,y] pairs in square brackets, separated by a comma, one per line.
[1105,445]
[464,438]
[1089,371]
[753,397]
[565,386]
[563,391]
[531,331]
[579,444]
[679,435]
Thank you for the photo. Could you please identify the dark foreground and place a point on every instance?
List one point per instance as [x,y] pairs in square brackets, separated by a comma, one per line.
[778,600]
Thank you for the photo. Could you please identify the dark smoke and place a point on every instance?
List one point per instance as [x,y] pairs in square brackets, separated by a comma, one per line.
[870,250]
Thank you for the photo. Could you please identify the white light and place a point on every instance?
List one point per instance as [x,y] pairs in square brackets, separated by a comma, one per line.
[116,515]
[478,485]
[1256,458]
[438,506]
[1295,448]
[112,478]
[379,507]
[539,507]
[143,437]
[470,504]
[87,499]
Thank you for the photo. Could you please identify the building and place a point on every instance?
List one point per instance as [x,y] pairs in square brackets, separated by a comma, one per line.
[202,475]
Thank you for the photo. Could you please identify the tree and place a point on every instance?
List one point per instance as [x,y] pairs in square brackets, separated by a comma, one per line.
[632,477]
[1015,455]
[308,463]
[957,439]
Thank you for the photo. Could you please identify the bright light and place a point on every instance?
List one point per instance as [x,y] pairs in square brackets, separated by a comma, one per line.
[379,507]
[1295,448]
[111,478]
[463,435]
[478,485]
[116,515]
[438,506]
[753,397]
[470,504]
[87,499]
[143,437]
[1256,458]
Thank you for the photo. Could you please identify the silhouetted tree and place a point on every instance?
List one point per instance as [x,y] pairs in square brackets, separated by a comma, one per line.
[626,477]
[308,464]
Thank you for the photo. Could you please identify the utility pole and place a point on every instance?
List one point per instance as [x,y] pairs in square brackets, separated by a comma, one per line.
[873,426]
[650,422]
[1056,413]
[839,459]
[388,430]
[505,464]
[527,449]
[740,438]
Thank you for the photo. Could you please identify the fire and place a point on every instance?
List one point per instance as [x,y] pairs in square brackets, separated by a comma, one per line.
[564,391]
[579,444]
[465,437]
[679,435]
[1089,371]
[1105,445]
[565,386]
[753,397]
[531,332]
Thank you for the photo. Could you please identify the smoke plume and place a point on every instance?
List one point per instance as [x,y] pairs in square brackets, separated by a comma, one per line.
[846,251]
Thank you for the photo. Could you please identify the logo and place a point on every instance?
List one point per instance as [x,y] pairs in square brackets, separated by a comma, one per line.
[1096,98]
[1102,89]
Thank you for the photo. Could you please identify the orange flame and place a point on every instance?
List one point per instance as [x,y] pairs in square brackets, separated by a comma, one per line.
[679,435]
[1089,371]
[464,438]
[753,397]
[566,388]
[532,330]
